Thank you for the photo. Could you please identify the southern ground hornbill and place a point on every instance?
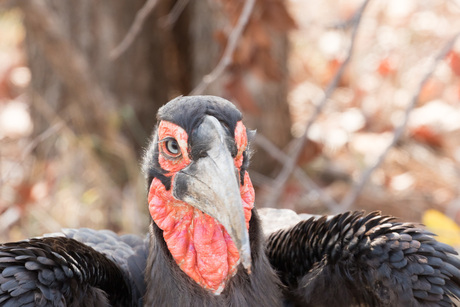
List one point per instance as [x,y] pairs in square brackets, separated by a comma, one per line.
[207,246]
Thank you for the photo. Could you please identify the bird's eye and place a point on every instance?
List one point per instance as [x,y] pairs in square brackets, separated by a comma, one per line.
[171,147]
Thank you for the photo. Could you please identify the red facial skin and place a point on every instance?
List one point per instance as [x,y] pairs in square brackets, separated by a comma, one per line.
[199,244]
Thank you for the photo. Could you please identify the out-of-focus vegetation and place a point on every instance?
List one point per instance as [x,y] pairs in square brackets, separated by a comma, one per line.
[395,43]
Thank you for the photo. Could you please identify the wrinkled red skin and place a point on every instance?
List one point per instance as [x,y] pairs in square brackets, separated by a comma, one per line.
[199,244]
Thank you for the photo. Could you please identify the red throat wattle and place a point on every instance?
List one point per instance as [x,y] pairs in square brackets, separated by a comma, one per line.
[199,244]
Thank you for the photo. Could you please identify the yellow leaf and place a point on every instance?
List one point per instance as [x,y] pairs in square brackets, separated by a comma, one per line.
[447,230]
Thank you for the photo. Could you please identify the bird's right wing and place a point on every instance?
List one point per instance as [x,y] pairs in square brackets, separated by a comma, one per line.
[352,258]
[74,268]
[129,252]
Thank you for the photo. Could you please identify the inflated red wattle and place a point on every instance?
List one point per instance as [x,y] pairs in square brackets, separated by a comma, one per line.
[199,244]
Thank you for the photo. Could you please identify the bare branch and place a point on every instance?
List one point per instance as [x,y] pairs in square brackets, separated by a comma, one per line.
[176,11]
[289,165]
[303,178]
[136,27]
[350,198]
[41,138]
[226,59]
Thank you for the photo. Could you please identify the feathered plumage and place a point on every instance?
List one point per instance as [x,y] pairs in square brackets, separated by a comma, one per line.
[206,246]
[370,260]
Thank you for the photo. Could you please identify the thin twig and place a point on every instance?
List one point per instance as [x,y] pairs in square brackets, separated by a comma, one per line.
[227,59]
[260,180]
[289,164]
[40,139]
[31,146]
[351,197]
[300,175]
[176,11]
[135,29]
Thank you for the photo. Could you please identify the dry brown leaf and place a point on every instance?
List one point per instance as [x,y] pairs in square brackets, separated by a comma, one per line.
[427,135]
[265,67]
[310,151]
[258,33]
[454,62]
[386,67]
[275,14]
[433,89]
[238,90]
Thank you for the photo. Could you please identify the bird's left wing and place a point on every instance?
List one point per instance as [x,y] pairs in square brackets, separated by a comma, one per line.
[355,259]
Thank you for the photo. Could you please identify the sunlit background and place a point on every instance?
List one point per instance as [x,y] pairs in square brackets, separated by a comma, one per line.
[46,188]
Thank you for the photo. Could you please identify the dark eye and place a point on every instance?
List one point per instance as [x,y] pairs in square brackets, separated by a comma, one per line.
[171,147]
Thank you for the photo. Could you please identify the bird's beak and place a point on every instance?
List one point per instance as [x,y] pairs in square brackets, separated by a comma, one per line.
[211,185]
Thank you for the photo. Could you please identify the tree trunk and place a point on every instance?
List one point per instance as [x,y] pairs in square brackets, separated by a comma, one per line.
[106,108]
[90,94]
[135,84]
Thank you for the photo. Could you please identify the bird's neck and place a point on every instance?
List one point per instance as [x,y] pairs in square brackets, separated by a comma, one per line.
[202,248]
[167,284]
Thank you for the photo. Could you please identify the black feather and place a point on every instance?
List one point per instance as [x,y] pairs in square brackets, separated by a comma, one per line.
[58,270]
[353,258]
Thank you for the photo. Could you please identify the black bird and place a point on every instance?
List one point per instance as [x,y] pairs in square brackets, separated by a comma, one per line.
[206,245]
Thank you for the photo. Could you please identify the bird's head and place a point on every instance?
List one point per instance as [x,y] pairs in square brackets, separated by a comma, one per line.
[200,193]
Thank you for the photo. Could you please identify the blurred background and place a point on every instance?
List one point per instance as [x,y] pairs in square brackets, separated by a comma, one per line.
[81,81]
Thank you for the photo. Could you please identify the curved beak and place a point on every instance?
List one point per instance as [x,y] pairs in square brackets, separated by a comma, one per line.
[211,184]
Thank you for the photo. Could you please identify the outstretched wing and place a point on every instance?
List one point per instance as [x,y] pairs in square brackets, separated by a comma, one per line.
[79,268]
[352,258]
